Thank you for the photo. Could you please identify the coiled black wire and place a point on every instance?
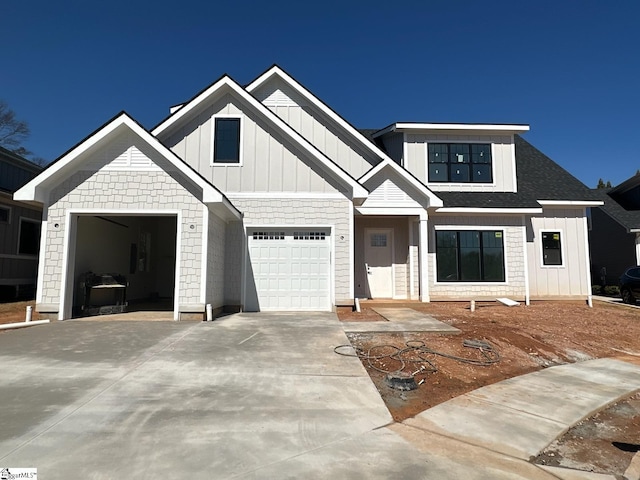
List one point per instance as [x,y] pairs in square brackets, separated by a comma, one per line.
[412,355]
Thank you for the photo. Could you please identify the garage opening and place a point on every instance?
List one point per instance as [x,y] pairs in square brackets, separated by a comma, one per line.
[124,264]
[288,269]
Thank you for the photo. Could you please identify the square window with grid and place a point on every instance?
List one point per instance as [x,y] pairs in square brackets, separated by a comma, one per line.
[268,235]
[309,235]
[378,239]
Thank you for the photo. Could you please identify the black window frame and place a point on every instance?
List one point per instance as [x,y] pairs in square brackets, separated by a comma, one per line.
[555,260]
[222,157]
[470,152]
[460,276]
[29,246]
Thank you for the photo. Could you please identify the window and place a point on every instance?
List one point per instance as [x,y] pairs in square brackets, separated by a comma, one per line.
[460,162]
[226,140]
[29,238]
[378,239]
[470,256]
[551,248]
[5,214]
[268,235]
[309,235]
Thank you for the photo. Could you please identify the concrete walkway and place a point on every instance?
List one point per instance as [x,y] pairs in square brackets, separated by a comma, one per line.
[400,320]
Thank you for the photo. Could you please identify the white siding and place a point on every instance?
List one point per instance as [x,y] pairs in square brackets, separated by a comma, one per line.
[269,163]
[216,261]
[570,279]
[316,127]
[514,252]
[503,161]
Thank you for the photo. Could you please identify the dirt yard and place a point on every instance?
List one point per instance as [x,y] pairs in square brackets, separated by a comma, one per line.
[15,312]
[526,339]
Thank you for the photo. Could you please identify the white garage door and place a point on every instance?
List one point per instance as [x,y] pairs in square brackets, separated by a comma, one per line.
[289,269]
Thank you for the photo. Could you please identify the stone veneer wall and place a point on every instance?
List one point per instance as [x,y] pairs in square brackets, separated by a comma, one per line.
[117,190]
[294,212]
[515,257]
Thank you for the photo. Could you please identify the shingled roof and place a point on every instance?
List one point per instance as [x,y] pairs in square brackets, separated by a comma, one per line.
[539,178]
[629,219]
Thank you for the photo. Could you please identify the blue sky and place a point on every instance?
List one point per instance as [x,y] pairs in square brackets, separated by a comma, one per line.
[570,69]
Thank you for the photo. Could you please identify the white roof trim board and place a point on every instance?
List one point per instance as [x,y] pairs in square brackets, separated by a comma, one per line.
[572,203]
[434,200]
[316,102]
[33,190]
[453,126]
[489,210]
[358,191]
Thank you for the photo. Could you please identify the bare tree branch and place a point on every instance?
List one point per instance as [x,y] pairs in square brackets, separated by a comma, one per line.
[13,132]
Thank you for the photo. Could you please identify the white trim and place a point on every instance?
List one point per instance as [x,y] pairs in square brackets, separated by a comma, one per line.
[358,191]
[514,165]
[212,161]
[65,266]
[587,258]
[452,126]
[489,210]
[405,150]
[176,290]
[478,228]
[562,248]
[9,209]
[434,200]
[26,219]
[423,259]
[527,293]
[205,252]
[411,264]
[41,260]
[279,195]
[313,100]
[402,211]
[366,241]
[352,247]
[571,203]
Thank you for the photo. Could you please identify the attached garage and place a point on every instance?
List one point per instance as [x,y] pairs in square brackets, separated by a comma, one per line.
[288,269]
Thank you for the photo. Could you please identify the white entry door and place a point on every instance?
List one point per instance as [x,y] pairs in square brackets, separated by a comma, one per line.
[378,257]
[289,269]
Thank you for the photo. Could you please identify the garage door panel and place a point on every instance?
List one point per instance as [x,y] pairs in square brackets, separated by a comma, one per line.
[291,268]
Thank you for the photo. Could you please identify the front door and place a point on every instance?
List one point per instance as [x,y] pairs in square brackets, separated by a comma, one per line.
[378,258]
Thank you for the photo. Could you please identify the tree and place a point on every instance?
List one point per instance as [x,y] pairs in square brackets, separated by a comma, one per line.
[601,184]
[13,132]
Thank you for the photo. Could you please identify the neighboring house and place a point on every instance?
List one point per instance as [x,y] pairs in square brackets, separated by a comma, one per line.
[264,198]
[19,229]
[615,231]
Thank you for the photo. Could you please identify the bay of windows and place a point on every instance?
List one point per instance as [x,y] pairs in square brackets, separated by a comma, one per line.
[460,162]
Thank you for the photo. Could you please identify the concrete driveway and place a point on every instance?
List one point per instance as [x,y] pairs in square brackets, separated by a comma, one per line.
[95,399]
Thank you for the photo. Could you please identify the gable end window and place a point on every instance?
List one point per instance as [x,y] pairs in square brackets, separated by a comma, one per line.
[226,140]
[551,249]
[460,162]
[470,256]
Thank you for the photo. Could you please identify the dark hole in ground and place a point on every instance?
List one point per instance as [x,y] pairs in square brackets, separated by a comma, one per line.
[626,447]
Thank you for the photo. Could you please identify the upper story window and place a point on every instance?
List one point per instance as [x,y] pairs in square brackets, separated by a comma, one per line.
[460,162]
[226,140]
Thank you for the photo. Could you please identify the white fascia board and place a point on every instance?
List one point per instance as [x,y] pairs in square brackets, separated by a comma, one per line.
[518,211]
[358,191]
[311,98]
[390,211]
[453,126]
[571,203]
[434,200]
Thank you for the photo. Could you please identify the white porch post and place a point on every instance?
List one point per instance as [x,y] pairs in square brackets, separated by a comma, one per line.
[423,252]
[637,248]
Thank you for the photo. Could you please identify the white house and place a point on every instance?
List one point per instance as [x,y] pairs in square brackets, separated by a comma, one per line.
[264,198]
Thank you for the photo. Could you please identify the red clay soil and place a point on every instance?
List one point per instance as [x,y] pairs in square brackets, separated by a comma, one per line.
[527,339]
[15,312]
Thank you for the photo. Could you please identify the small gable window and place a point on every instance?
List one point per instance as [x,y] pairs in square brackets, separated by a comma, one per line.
[226,140]
[460,162]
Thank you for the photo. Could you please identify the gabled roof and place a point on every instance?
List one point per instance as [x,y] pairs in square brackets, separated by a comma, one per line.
[434,201]
[35,190]
[227,84]
[541,181]
[629,219]
[349,129]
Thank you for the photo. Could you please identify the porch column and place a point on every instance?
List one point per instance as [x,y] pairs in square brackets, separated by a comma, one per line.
[637,248]
[423,253]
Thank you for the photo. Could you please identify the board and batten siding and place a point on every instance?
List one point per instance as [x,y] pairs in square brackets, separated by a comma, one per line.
[571,278]
[503,161]
[316,127]
[394,146]
[16,269]
[514,257]
[269,163]
[301,212]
